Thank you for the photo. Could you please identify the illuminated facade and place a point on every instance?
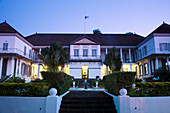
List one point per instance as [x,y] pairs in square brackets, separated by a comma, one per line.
[18,54]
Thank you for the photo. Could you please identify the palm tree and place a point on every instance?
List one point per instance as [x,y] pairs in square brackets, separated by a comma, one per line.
[113,61]
[54,56]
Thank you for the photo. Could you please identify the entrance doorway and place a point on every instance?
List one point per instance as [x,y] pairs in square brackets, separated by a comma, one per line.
[85,72]
[4,67]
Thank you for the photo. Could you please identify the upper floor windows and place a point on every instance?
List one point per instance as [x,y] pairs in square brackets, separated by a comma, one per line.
[94,52]
[144,51]
[30,53]
[76,52]
[5,46]
[25,48]
[85,52]
[164,46]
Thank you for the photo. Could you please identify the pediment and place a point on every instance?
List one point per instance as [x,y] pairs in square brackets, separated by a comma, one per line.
[84,41]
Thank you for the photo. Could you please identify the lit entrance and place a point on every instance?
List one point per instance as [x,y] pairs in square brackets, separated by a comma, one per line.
[85,72]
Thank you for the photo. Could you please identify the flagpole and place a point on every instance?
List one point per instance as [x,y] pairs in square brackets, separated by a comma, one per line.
[84,23]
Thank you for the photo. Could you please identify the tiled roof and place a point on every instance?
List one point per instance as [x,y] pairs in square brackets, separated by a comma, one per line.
[104,39]
[6,28]
[164,28]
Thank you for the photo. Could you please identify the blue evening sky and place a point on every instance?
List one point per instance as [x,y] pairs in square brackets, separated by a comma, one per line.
[67,16]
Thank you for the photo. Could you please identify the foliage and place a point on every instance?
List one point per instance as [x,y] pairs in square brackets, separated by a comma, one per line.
[15,80]
[54,56]
[163,74]
[97,31]
[100,83]
[37,81]
[151,89]
[113,61]
[24,89]
[59,80]
[76,84]
[118,80]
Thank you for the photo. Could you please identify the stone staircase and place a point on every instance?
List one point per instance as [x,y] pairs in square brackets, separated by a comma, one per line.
[87,102]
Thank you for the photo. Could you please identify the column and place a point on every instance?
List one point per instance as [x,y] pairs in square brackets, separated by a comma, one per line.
[130,67]
[89,51]
[98,50]
[106,51]
[149,67]
[12,66]
[121,57]
[16,70]
[152,66]
[40,51]
[167,60]
[1,63]
[156,63]
[20,67]
[130,59]
[38,74]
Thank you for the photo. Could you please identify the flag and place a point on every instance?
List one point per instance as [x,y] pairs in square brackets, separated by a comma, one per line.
[86,17]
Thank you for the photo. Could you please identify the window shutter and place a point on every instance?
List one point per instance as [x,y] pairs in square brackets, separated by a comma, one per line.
[168,46]
[160,45]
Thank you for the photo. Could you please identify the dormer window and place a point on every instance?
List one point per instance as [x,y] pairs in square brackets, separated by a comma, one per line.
[5,46]
[85,52]
[76,52]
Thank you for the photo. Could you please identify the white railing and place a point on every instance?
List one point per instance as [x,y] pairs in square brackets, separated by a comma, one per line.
[81,57]
[17,51]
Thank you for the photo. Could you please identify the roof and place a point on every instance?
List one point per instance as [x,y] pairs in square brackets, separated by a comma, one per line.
[6,28]
[103,39]
[163,28]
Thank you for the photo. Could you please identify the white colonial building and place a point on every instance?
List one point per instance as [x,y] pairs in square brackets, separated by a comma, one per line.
[18,54]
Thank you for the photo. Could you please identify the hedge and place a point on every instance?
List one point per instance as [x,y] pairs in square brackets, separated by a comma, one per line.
[24,89]
[151,89]
[15,80]
[59,80]
[117,80]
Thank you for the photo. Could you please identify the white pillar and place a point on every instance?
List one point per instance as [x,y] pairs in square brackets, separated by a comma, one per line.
[152,66]
[71,50]
[130,59]
[40,51]
[106,51]
[167,60]
[1,63]
[38,74]
[98,50]
[121,56]
[149,68]
[16,70]
[80,51]
[89,51]
[130,67]
[156,63]
[20,66]
[12,66]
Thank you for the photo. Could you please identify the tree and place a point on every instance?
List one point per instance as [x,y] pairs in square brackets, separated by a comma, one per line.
[54,56]
[97,31]
[113,61]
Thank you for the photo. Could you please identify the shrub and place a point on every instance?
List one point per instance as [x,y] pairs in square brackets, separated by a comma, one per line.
[163,74]
[15,80]
[151,89]
[59,80]
[24,89]
[37,81]
[117,80]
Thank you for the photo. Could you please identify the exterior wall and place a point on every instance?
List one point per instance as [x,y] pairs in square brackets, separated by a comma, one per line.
[93,69]
[161,39]
[9,39]
[23,104]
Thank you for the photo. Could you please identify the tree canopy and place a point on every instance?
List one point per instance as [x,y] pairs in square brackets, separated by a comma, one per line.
[97,31]
[113,61]
[54,56]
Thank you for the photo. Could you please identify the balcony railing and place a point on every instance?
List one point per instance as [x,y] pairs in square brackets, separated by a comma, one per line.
[89,57]
[17,51]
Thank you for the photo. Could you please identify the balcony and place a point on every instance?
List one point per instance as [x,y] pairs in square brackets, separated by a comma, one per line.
[18,52]
[85,58]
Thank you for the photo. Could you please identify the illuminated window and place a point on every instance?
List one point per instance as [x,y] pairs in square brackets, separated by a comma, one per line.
[146,69]
[140,70]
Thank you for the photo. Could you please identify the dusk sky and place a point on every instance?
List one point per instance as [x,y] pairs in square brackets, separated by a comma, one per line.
[67,16]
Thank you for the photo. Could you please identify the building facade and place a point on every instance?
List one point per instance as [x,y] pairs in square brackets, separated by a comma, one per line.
[18,54]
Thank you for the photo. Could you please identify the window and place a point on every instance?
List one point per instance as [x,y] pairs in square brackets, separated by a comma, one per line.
[164,46]
[76,52]
[25,50]
[85,52]
[140,70]
[5,46]
[94,52]
[146,68]
[144,51]
[140,54]
[30,53]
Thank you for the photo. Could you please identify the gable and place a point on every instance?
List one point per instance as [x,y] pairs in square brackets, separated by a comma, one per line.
[84,41]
